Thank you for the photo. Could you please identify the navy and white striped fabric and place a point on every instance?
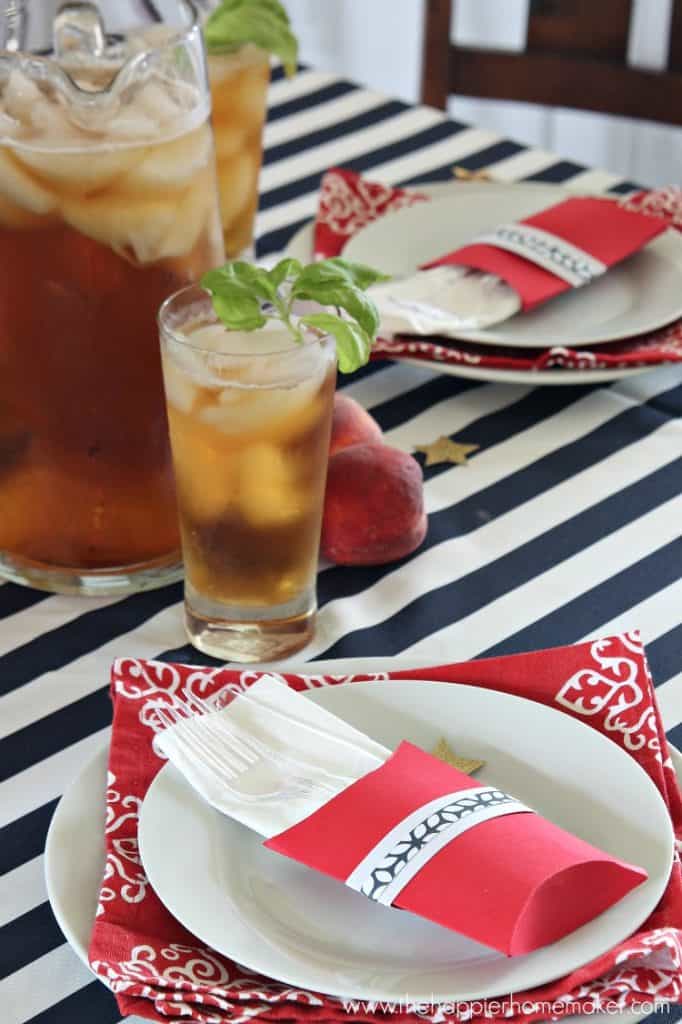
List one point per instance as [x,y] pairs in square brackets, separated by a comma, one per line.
[565,525]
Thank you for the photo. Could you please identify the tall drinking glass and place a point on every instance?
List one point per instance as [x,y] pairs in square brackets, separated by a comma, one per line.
[250,420]
[239,89]
[108,204]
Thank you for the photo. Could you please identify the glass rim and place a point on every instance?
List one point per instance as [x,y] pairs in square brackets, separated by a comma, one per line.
[296,348]
[178,36]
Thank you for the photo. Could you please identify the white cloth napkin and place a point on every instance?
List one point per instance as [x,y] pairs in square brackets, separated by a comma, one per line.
[443,300]
[340,750]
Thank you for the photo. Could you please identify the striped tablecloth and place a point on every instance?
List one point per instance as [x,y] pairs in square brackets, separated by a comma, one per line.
[565,525]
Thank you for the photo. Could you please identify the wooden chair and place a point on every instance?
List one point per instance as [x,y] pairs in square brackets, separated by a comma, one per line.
[575,57]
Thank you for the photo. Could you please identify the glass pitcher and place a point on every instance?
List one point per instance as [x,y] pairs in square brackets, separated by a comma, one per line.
[108,204]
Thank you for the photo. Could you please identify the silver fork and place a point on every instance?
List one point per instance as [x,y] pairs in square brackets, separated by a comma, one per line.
[226,752]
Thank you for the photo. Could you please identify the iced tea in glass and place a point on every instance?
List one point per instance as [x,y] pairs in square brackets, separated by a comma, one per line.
[239,81]
[108,204]
[250,420]
[239,85]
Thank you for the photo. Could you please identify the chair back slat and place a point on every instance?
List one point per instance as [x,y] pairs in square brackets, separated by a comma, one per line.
[595,28]
[575,56]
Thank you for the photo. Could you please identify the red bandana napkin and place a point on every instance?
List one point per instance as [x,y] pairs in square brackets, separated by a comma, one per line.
[347,203]
[159,970]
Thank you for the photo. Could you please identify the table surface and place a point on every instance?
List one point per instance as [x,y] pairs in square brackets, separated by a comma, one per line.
[565,525]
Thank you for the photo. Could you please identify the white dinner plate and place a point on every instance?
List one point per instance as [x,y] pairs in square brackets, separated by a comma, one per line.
[525,197]
[74,852]
[300,245]
[279,918]
[637,296]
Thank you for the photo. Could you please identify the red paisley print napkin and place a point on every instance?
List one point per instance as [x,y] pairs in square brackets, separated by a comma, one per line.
[348,202]
[664,346]
[161,972]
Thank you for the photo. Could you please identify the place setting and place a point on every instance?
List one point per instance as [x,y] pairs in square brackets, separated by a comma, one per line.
[494,830]
[523,283]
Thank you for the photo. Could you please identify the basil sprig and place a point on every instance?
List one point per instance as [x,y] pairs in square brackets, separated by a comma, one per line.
[263,22]
[246,297]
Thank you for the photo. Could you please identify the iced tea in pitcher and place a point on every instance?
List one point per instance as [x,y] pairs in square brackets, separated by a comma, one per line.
[108,203]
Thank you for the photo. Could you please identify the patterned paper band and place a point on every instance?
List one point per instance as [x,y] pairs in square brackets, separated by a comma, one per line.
[385,871]
[548,251]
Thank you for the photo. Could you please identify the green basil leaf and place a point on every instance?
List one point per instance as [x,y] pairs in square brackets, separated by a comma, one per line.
[361,275]
[255,279]
[320,275]
[235,302]
[358,305]
[239,311]
[353,345]
[262,22]
[284,269]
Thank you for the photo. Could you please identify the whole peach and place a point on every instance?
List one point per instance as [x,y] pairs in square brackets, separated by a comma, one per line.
[351,424]
[374,506]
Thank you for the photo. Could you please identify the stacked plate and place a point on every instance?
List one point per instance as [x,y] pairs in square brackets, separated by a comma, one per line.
[277,917]
[635,298]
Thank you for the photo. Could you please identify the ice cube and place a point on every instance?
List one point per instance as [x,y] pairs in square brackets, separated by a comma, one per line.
[19,95]
[19,188]
[270,494]
[190,220]
[78,28]
[9,126]
[215,338]
[190,364]
[181,390]
[132,126]
[265,412]
[204,472]
[158,102]
[81,171]
[173,164]
[150,37]
[53,127]
[271,339]
[129,227]
[260,368]
[224,417]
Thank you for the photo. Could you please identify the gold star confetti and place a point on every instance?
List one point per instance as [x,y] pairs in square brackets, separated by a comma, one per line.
[444,752]
[445,450]
[462,174]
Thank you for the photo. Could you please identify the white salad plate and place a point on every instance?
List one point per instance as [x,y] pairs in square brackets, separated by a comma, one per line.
[279,918]
[640,295]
